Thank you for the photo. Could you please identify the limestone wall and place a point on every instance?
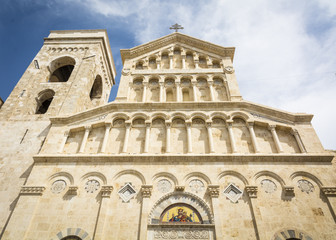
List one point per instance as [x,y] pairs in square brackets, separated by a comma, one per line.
[274,207]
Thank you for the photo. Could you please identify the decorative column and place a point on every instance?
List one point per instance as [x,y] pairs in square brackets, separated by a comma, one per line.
[106,135]
[168,126]
[210,138]
[253,136]
[275,138]
[144,92]
[193,83]
[146,191]
[232,140]
[127,132]
[158,63]
[161,91]
[171,61]
[65,138]
[178,91]
[196,60]
[188,125]
[298,140]
[183,61]
[85,137]
[148,125]
[256,218]
[213,191]
[212,95]
[105,194]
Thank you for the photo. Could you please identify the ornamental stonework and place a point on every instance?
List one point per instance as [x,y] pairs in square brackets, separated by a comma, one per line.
[181,234]
[305,186]
[268,186]
[196,185]
[164,185]
[92,186]
[58,186]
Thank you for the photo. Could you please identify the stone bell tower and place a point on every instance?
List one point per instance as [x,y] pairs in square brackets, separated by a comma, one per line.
[72,72]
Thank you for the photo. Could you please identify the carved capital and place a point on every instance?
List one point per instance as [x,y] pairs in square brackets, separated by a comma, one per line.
[146,191]
[208,123]
[294,131]
[329,191]
[229,123]
[106,191]
[148,123]
[128,124]
[252,191]
[66,133]
[87,128]
[32,190]
[188,123]
[250,124]
[213,191]
[179,188]
[271,127]
[168,124]
[107,125]
[72,190]
[288,191]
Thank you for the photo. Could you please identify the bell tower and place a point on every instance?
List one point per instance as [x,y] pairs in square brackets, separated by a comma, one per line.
[73,72]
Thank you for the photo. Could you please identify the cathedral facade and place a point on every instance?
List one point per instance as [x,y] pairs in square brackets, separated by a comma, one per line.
[179,154]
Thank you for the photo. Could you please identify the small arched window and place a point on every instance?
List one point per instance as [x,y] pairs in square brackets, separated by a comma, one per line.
[44,100]
[139,65]
[97,88]
[61,69]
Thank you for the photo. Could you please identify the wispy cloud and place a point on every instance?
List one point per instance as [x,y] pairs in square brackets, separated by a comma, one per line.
[285,50]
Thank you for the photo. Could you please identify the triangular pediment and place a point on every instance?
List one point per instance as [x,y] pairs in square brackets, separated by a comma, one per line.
[177,38]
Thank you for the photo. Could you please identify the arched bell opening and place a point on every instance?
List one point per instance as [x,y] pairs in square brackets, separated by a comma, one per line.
[61,69]
[44,100]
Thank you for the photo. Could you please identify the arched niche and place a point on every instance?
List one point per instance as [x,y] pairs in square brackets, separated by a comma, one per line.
[197,219]
[97,89]
[61,69]
[189,200]
[44,100]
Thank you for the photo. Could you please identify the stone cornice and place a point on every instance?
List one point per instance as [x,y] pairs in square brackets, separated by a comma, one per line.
[177,38]
[257,110]
[148,158]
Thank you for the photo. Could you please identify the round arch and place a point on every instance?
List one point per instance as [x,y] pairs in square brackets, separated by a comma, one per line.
[78,232]
[182,198]
[292,233]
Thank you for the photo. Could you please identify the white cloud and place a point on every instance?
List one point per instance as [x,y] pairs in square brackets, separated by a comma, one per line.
[285,50]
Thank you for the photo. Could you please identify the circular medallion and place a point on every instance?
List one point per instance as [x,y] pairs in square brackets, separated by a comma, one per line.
[58,186]
[305,186]
[164,185]
[268,186]
[196,185]
[92,186]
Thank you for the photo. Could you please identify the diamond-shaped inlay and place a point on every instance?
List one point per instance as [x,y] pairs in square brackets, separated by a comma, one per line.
[127,192]
[233,193]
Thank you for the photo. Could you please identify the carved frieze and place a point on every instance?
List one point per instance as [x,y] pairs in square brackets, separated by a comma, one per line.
[182,233]
[32,190]
[329,191]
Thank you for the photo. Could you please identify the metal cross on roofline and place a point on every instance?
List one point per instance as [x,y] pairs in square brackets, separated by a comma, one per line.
[176,27]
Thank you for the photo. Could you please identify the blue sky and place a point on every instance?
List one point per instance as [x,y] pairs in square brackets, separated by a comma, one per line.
[285,50]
